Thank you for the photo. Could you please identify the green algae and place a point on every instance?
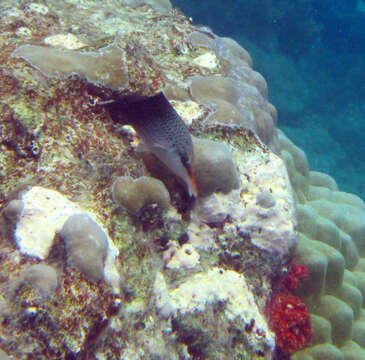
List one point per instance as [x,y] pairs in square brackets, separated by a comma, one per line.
[135,256]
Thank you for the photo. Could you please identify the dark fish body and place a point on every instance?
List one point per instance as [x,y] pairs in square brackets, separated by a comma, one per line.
[161,128]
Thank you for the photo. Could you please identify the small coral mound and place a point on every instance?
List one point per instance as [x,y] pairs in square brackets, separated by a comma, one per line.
[215,169]
[288,315]
[41,277]
[134,194]
[86,245]
[13,210]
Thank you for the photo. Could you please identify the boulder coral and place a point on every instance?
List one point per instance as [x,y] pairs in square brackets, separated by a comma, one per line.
[134,194]
[41,277]
[240,99]
[216,170]
[234,104]
[331,236]
[86,245]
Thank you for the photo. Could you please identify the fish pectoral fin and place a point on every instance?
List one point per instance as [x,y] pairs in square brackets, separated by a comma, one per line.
[144,146]
[160,146]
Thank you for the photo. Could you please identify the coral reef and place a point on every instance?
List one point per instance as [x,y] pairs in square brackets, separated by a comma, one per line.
[166,289]
[331,237]
[162,279]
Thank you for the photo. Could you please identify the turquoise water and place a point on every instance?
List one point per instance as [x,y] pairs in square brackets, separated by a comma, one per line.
[311,54]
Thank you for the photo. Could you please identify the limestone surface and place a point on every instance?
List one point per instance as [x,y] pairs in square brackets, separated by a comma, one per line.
[44,213]
[217,285]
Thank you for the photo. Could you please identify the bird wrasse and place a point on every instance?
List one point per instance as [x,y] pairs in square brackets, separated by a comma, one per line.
[162,130]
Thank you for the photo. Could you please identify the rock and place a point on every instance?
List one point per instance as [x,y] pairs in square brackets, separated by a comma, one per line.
[45,211]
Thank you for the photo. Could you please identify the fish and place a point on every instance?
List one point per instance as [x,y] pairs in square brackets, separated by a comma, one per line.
[162,130]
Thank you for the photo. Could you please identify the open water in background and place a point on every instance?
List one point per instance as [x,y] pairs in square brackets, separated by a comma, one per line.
[312,54]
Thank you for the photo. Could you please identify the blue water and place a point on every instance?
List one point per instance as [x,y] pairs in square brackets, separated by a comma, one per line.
[312,56]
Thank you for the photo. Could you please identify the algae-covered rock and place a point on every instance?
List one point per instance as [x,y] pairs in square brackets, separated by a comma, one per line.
[218,286]
[194,286]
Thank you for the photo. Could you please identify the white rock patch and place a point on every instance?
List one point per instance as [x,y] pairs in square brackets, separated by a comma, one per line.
[216,285]
[67,41]
[176,257]
[44,213]
[207,60]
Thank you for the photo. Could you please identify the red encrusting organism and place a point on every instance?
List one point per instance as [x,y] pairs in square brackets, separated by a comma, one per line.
[288,315]
[296,274]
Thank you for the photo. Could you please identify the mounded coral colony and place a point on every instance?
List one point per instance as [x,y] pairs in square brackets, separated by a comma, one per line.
[331,231]
[103,253]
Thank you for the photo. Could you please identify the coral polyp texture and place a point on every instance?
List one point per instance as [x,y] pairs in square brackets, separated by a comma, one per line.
[104,253]
[331,230]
